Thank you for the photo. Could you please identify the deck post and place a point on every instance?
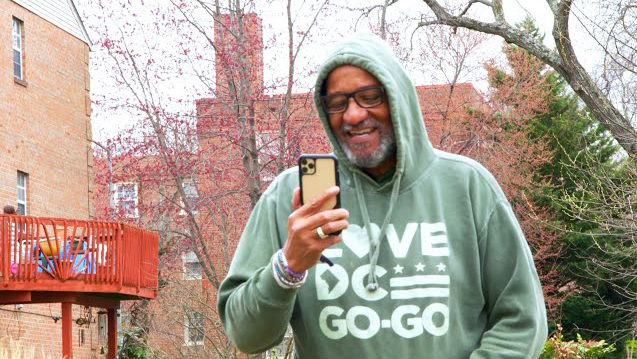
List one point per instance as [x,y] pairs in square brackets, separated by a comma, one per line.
[112,333]
[67,330]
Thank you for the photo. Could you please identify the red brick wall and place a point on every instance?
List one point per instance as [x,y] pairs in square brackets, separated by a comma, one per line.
[45,125]
[35,329]
[45,132]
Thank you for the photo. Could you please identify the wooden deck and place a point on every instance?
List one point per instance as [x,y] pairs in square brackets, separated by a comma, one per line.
[108,260]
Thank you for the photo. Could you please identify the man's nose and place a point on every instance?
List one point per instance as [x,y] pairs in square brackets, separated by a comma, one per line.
[354,113]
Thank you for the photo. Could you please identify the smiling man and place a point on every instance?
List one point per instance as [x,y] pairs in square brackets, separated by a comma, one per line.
[431,262]
[363,130]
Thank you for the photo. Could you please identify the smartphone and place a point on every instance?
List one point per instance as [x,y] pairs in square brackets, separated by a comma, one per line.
[316,174]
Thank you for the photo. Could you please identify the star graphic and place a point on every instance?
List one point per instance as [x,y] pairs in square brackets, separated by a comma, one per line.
[420,267]
[398,268]
[441,267]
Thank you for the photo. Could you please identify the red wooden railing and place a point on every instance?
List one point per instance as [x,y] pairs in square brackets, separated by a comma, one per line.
[54,254]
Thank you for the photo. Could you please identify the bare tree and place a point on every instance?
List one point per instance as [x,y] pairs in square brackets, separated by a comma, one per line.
[199,172]
[564,59]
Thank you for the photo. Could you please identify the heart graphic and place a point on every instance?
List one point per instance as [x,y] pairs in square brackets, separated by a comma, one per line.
[356,239]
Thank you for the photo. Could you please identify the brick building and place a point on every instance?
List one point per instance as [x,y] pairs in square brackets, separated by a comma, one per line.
[45,150]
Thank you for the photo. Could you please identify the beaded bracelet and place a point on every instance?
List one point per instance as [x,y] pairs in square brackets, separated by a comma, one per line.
[281,270]
[283,261]
[282,280]
[285,277]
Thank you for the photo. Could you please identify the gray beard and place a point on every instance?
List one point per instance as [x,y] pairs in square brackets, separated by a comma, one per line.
[385,151]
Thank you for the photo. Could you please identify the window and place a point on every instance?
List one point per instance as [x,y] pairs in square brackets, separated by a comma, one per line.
[17,49]
[22,193]
[190,190]
[102,328]
[81,337]
[193,329]
[268,150]
[125,196]
[192,266]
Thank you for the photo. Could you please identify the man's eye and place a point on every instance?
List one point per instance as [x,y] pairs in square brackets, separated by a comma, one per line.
[370,97]
[336,103]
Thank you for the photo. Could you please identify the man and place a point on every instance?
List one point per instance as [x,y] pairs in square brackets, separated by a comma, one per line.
[431,262]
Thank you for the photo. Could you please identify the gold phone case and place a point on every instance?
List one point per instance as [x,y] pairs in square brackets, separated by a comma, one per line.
[317,173]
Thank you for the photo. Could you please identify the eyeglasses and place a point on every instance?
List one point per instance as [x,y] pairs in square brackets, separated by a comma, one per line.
[366,97]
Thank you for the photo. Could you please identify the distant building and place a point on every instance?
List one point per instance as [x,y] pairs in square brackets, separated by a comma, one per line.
[45,150]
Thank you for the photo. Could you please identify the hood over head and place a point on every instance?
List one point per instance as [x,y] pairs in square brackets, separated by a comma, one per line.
[414,151]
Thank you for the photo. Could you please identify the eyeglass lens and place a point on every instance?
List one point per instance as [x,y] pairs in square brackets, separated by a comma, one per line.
[366,97]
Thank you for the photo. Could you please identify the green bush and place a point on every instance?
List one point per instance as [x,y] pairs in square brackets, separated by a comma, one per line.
[556,348]
[134,345]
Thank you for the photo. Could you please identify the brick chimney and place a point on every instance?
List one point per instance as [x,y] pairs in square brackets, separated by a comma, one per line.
[232,44]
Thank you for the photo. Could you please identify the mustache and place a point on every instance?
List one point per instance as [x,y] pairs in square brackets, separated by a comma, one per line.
[345,127]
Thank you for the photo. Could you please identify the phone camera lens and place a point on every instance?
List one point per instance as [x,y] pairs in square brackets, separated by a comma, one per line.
[304,162]
[304,169]
[311,165]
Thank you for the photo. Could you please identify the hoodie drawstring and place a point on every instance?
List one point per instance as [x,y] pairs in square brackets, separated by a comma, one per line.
[374,242]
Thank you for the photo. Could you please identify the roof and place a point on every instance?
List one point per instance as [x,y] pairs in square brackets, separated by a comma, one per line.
[61,13]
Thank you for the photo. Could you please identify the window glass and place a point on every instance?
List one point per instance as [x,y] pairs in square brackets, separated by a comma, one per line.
[193,270]
[190,189]
[17,48]
[22,193]
[126,199]
[268,147]
[194,328]
[192,266]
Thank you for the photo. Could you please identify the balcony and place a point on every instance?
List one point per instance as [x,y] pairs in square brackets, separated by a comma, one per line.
[60,255]
[92,263]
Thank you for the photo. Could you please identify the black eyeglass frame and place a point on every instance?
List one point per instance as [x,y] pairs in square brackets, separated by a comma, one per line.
[349,95]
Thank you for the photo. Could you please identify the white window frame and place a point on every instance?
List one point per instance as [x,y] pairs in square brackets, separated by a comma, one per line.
[117,199]
[21,186]
[190,257]
[18,46]
[187,329]
[267,146]
[192,193]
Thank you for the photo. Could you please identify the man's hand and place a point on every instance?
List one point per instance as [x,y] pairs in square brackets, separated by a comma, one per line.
[304,247]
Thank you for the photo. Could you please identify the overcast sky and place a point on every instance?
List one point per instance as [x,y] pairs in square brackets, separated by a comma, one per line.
[333,27]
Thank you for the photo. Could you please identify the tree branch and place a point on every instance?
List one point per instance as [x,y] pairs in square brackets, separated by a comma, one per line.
[564,61]
[584,86]
[484,2]
[504,30]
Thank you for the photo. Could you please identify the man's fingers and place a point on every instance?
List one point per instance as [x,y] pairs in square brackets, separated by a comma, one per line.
[317,202]
[332,227]
[322,218]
